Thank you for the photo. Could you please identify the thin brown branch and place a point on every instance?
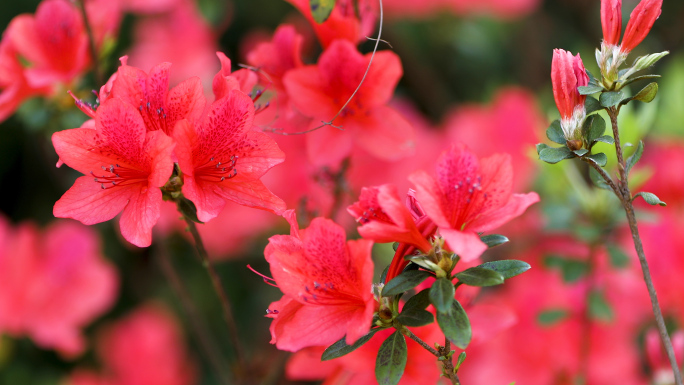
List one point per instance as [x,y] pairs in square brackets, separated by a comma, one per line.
[198,327]
[420,342]
[220,292]
[91,44]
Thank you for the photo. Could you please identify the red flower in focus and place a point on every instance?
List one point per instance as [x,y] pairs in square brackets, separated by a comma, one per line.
[640,23]
[326,282]
[222,158]
[320,91]
[54,41]
[384,218]
[145,348]
[159,107]
[342,22]
[124,167]
[469,197]
[52,284]
[568,73]
[611,21]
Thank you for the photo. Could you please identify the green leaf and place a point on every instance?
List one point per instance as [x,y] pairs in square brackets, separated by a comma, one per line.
[555,155]
[632,160]
[404,282]
[571,269]
[592,105]
[551,316]
[597,128]
[459,360]
[415,318]
[589,89]
[618,258]
[492,240]
[508,268]
[541,146]
[601,159]
[598,180]
[321,9]
[592,78]
[581,152]
[442,294]
[340,348]
[647,94]
[555,132]
[480,276]
[643,77]
[420,301]
[456,326]
[650,198]
[188,209]
[391,360]
[605,139]
[599,308]
[610,99]
[383,276]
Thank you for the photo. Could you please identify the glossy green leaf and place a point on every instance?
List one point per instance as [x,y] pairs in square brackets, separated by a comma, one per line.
[598,180]
[456,326]
[321,9]
[415,318]
[492,240]
[589,89]
[605,139]
[643,77]
[391,360]
[650,198]
[634,158]
[508,268]
[581,152]
[188,209]
[480,276]
[420,301]
[555,132]
[541,146]
[340,348]
[601,159]
[596,129]
[647,94]
[441,294]
[555,155]
[404,282]
[599,308]
[592,105]
[611,99]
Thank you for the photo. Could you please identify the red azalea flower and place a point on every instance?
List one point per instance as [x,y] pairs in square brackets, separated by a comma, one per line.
[342,22]
[611,21]
[326,282]
[14,88]
[54,41]
[320,91]
[124,167]
[640,23]
[281,54]
[384,218]
[568,73]
[225,81]
[159,107]
[223,158]
[468,197]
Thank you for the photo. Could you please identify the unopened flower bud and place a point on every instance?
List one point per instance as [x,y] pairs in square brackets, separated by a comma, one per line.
[568,73]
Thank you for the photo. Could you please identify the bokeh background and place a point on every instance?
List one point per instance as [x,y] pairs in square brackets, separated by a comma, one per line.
[474,71]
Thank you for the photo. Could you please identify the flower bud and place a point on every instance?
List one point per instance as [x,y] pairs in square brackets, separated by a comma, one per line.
[611,21]
[568,73]
[640,22]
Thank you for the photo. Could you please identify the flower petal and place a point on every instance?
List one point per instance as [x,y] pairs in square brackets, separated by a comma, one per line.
[466,244]
[88,202]
[140,215]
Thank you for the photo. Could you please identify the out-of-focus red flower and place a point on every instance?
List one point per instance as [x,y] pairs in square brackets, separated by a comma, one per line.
[14,88]
[281,54]
[225,80]
[124,166]
[657,358]
[342,22]
[385,218]
[667,182]
[159,107]
[52,284]
[640,23]
[503,9]
[144,348]
[180,36]
[320,91]
[223,158]
[568,73]
[54,41]
[468,197]
[326,281]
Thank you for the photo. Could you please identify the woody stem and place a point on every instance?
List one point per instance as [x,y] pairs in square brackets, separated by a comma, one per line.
[220,292]
[442,354]
[625,197]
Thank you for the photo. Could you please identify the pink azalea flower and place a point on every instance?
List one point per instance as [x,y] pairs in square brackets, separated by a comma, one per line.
[14,88]
[326,282]
[222,158]
[144,348]
[225,81]
[342,22]
[159,107]
[53,284]
[54,41]
[281,54]
[124,167]
[384,218]
[568,73]
[468,197]
[320,91]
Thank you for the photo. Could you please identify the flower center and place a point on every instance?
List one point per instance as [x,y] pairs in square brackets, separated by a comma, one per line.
[116,175]
[217,171]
